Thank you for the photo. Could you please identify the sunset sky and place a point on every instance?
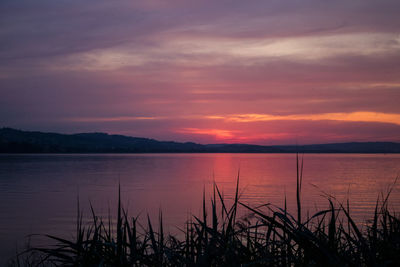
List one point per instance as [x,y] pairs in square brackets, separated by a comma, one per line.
[259,72]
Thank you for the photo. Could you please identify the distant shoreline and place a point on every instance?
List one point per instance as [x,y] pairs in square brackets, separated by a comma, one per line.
[14,141]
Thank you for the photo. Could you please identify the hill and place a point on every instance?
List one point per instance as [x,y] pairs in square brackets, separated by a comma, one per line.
[17,141]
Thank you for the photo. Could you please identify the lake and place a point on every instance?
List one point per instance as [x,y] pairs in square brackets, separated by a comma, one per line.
[38,193]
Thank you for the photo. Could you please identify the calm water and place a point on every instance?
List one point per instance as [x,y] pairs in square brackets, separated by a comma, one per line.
[38,193]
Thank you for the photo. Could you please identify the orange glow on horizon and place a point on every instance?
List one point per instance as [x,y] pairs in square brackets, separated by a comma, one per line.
[218,133]
[234,136]
[360,116]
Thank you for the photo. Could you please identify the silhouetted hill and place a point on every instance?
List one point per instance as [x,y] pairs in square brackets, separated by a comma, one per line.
[17,141]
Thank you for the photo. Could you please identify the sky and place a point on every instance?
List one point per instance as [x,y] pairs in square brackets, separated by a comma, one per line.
[258,72]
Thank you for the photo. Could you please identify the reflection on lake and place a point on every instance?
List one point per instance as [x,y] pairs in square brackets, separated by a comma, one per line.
[38,193]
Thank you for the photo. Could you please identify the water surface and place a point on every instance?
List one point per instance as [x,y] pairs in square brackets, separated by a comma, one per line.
[38,193]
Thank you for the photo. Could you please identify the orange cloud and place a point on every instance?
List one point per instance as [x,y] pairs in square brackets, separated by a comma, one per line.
[218,133]
[361,116]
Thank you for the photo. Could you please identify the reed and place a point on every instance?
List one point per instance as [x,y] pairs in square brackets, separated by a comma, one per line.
[268,236]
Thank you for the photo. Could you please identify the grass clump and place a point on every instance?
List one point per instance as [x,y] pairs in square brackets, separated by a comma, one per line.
[268,236]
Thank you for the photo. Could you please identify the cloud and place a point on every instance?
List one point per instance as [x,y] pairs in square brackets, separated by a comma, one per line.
[216,51]
[217,133]
[47,29]
[111,119]
[149,68]
[360,116]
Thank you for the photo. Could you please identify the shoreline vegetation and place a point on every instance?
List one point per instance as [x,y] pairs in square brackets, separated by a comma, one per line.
[267,236]
[17,141]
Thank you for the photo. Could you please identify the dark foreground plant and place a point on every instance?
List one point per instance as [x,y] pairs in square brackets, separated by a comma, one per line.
[269,236]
